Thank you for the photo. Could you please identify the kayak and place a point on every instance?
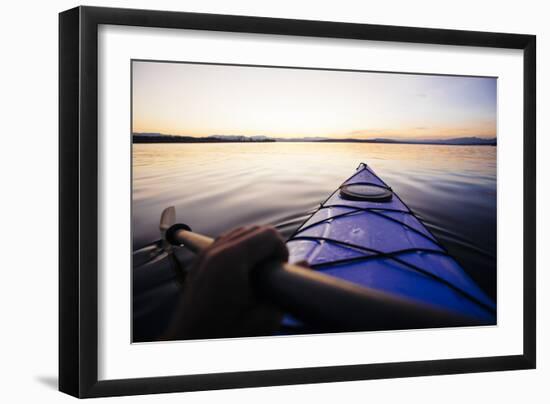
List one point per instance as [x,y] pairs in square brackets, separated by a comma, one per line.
[365,234]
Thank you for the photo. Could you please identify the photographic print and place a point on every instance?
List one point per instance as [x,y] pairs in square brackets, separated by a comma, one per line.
[270,201]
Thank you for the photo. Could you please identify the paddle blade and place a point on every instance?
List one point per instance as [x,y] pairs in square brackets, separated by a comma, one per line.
[167,219]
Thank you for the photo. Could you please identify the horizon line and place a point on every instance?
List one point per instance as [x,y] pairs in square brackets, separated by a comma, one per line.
[343,137]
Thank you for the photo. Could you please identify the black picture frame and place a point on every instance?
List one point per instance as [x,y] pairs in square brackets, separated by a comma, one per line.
[78,200]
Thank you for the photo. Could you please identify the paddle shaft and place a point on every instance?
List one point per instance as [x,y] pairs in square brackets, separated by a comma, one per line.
[326,303]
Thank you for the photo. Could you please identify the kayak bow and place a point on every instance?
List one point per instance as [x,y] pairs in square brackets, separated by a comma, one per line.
[365,234]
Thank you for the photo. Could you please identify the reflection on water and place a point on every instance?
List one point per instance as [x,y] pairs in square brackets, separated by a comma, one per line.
[215,187]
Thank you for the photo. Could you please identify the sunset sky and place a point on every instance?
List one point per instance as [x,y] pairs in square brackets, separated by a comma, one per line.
[203,100]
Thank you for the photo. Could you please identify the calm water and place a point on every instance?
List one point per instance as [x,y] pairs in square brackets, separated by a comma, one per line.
[215,187]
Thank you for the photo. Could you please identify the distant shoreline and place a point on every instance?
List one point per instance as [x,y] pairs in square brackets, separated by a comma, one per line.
[160,138]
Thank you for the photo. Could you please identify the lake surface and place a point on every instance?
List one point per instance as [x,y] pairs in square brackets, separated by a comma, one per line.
[216,187]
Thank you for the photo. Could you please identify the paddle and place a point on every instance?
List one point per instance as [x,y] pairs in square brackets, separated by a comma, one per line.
[323,302]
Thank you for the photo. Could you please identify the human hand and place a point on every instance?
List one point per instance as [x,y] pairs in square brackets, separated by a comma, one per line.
[218,299]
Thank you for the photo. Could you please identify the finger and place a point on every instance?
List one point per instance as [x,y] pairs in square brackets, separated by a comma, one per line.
[236,233]
[243,233]
[230,233]
[226,248]
[303,263]
[259,245]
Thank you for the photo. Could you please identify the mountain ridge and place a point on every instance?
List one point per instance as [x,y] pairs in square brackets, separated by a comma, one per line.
[153,137]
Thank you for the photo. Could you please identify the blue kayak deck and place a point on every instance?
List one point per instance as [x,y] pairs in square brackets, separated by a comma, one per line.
[384,246]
